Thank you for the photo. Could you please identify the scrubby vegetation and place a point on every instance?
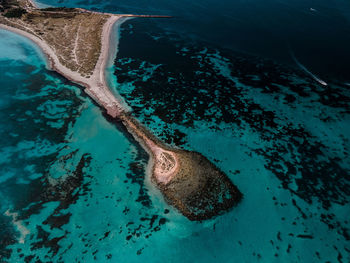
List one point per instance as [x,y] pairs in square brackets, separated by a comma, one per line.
[15,12]
[59,9]
[6,4]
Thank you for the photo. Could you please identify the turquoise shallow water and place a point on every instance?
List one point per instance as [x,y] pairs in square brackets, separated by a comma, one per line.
[73,182]
[62,166]
[280,136]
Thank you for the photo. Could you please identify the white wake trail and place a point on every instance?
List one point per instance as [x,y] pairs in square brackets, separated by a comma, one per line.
[306,70]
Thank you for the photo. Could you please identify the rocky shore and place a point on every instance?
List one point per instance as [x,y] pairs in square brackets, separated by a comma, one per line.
[192,184]
[199,189]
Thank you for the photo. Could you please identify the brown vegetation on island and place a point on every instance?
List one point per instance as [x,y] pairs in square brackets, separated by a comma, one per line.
[74,35]
[187,179]
[76,43]
[199,189]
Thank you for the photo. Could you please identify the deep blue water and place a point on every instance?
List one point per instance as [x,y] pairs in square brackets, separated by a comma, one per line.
[318,31]
[219,79]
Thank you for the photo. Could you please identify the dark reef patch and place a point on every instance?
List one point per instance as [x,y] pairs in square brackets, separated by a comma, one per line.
[136,169]
[182,83]
[36,122]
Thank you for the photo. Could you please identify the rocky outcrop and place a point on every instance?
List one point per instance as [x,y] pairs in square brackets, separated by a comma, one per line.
[199,190]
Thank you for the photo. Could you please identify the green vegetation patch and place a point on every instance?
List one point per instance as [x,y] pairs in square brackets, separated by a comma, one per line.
[7,4]
[59,9]
[15,12]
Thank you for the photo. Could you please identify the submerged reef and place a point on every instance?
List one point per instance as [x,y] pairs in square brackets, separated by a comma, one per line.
[76,42]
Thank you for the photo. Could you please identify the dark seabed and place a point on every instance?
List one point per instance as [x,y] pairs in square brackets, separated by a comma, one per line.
[219,78]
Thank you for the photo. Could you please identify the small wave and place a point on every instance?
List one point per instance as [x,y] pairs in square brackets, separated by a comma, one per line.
[20,227]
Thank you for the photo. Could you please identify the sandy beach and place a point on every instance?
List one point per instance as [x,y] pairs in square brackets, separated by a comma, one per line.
[182,176]
[97,88]
[95,85]
[165,164]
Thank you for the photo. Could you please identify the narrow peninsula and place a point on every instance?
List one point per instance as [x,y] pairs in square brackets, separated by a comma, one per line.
[76,44]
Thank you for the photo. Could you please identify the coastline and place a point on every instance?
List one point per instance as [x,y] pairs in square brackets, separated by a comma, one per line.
[33,39]
[110,78]
[158,153]
[95,86]
[33,3]
[111,43]
[98,89]
[184,177]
